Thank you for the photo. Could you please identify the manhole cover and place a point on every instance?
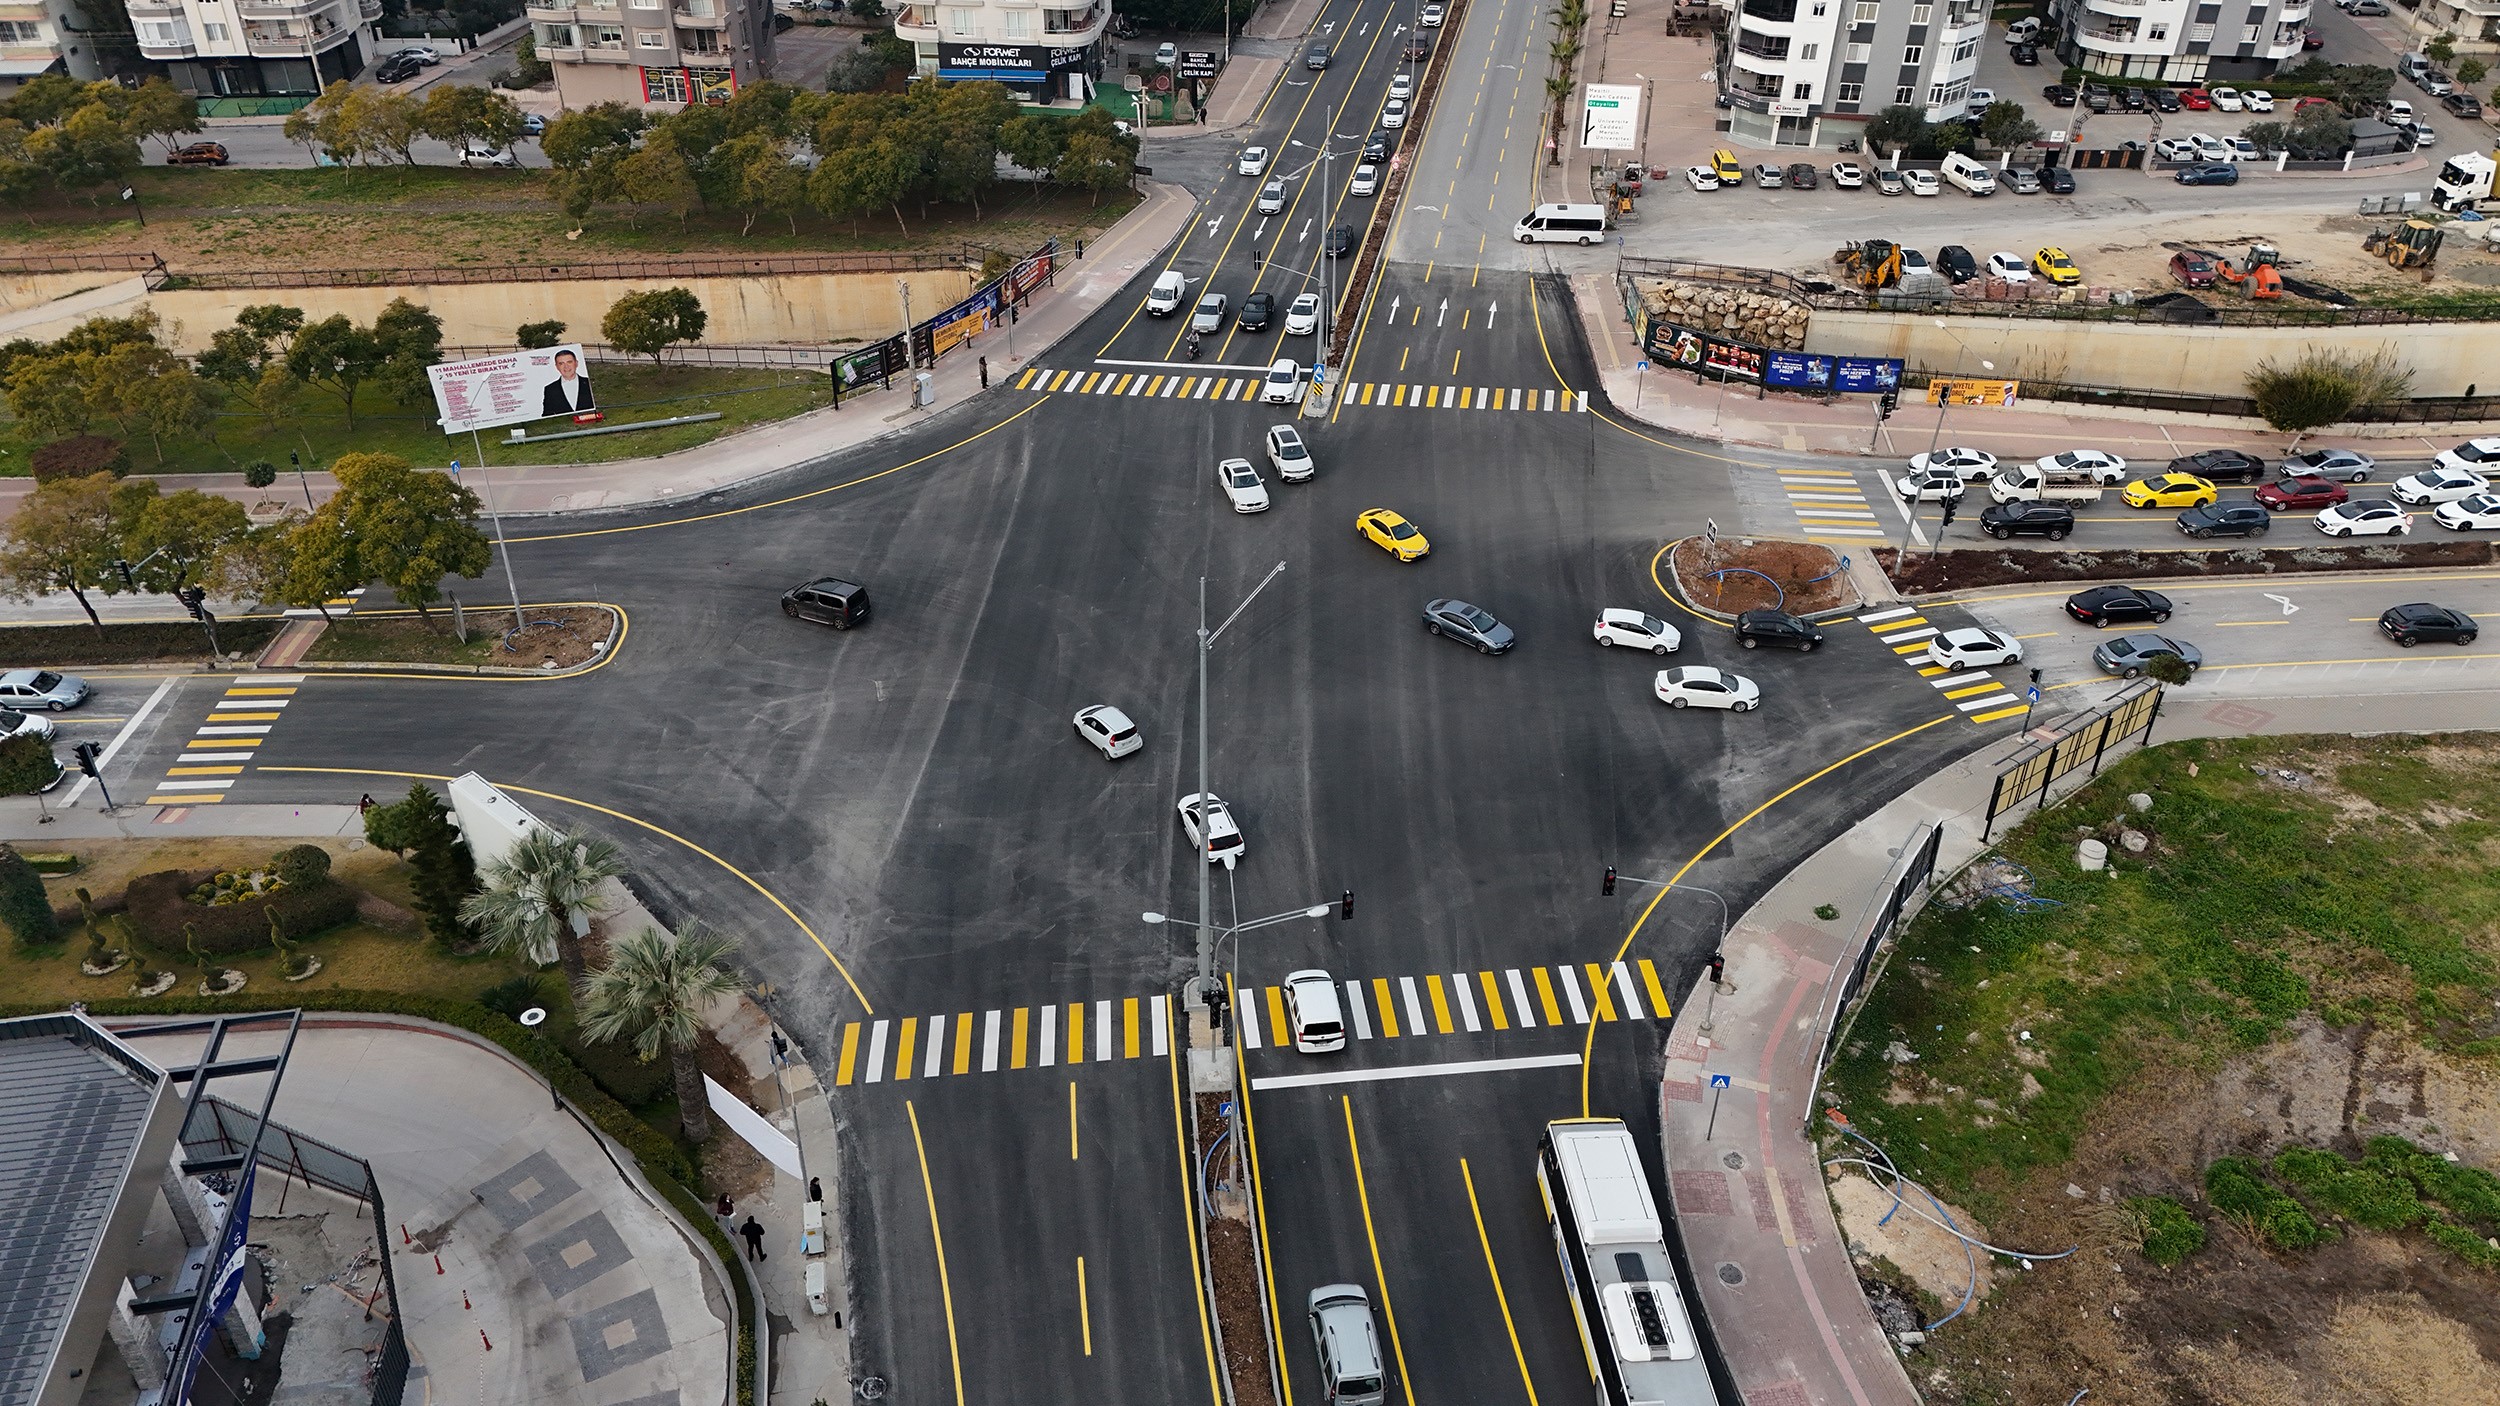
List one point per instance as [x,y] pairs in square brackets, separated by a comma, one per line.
[1735,1161]
[1730,1275]
[872,1388]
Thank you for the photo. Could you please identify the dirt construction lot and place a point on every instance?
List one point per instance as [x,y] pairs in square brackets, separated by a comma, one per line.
[2246,1074]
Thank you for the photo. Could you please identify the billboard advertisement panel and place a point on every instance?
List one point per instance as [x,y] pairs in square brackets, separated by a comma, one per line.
[1610,117]
[1797,371]
[490,391]
[1867,375]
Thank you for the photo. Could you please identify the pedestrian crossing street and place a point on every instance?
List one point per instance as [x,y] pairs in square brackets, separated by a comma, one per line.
[1976,692]
[1830,506]
[960,1043]
[1214,385]
[218,750]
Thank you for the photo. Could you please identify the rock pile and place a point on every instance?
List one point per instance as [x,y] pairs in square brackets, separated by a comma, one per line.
[1761,319]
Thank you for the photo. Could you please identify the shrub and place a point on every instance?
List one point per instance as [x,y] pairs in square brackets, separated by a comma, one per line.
[23,907]
[259,473]
[160,907]
[510,998]
[2168,1231]
[2365,1196]
[2238,1188]
[2470,1192]
[301,865]
[2464,1244]
[392,825]
[539,334]
[77,457]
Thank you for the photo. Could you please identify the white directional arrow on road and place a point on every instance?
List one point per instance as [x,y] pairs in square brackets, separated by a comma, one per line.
[1488,316]
[1213,222]
[1393,309]
[2289,609]
[1444,315]
[1306,232]
[1261,231]
[1366,29]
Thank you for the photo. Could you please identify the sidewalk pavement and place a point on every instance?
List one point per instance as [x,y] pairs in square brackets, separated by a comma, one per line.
[565,1280]
[1285,19]
[1077,290]
[1774,1270]
[1740,413]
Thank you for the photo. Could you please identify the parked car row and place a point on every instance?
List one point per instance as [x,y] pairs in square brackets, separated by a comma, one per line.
[1723,170]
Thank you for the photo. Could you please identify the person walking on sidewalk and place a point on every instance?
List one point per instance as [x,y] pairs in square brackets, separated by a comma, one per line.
[815,1191]
[754,1235]
[728,1213]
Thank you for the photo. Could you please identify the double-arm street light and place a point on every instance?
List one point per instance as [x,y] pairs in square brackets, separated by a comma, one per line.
[1206,826]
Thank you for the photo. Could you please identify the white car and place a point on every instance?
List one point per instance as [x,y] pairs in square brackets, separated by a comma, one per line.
[1930,486]
[2242,149]
[1848,175]
[14,723]
[425,54]
[2470,456]
[2481,510]
[2439,486]
[1980,101]
[1701,178]
[1971,464]
[1697,686]
[1242,484]
[1222,842]
[1913,261]
[475,155]
[1973,648]
[1318,1021]
[2365,517]
[2399,113]
[1922,182]
[1272,198]
[2227,100]
[1366,180]
[1167,54]
[2174,149]
[2009,266]
[1402,86]
[1302,319]
[1284,383]
[1109,731]
[1430,18]
[1393,113]
[2105,468]
[1253,161]
[2258,100]
[1639,631]
[2210,147]
[1288,455]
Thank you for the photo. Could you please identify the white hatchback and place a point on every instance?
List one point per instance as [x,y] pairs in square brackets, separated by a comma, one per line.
[1288,454]
[1698,686]
[1284,382]
[1637,630]
[1318,1020]
[1365,181]
[1241,483]
[1222,843]
[1701,178]
[1302,319]
[1971,464]
[1848,175]
[1393,113]
[1973,648]
[2008,266]
[1253,161]
[1272,198]
[1402,86]
[1109,731]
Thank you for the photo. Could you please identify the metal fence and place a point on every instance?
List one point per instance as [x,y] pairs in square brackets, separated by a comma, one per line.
[899,261]
[2084,743]
[1916,870]
[218,1128]
[81,263]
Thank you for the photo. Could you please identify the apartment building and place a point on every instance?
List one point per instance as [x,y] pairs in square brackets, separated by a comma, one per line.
[1810,72]
[2180,41]
[1045,50]
[653,53]
[221,48]
[49,36]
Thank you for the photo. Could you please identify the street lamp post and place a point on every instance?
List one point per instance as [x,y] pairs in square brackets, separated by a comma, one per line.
[1207,939]
[1944,403]
[1206,838]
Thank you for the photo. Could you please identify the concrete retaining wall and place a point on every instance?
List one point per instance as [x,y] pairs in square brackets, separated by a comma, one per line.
[2446,357]
[762,310]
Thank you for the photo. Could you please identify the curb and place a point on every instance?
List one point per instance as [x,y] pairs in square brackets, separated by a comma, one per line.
[1684,597]
[601,653]
[2329,575]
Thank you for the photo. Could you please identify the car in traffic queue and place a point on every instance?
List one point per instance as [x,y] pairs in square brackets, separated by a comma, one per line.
[2226,520]
[1253,161]
[1930,486]
[1318,1019]
[2168,491]
[1272,198]
[2103,606]
[2027,518]
[2350,465]
[2469,514]
[1283,385]
[2305,491]
[1385,529]
[1962,461]
[2409,625]
[2439,485]
[2127,655]
[2216,465]
[2471,456]
[1364,181]
[1700,686]
[2365,517]
[1302,316]
[1257,311]
[1636,629]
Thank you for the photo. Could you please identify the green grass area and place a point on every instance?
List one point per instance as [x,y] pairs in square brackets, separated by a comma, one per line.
[317,428]
[407,639]
[2360,888]
[358,957]
[69,646]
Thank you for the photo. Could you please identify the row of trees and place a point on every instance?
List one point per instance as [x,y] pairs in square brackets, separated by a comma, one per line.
[1903,128]
[374,126]
[406,527]
[83,138]
[1571,22]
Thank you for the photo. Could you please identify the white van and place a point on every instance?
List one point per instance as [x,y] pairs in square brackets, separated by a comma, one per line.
[1970,175]
[1561,224]
[1170,290]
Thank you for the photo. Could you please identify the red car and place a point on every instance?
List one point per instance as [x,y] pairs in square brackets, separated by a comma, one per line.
[2192,270]
[2307,103]
[2306,491]
[2312,39]
[2197,100]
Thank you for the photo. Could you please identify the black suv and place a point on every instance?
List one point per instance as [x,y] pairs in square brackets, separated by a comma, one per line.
[1255,311]
[2225,520]
[827,600]
[2050,520]
[1377,149]
[2059,95]
[2166,100]
[2219,464]
[398,68]
[1756,628]
[2409,625]
[1956,263]
[2104,606]
[2133,99]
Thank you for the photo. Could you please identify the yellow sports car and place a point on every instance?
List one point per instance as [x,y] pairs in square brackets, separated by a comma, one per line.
[1392,534]
[2056,265]
[2168,491]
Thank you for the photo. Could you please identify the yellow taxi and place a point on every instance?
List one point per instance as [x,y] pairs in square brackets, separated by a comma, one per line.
[1392,534]
[1727,168]
[2168,491]
[2056,265]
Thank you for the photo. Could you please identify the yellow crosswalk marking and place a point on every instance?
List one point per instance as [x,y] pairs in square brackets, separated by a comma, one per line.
[1658,1007]
[1386,1007]
[902,1052]
[208,799]
[1545,996]
[1493,1001]
[2015,711]
[1888,626]
[1076,1032]
[1015,1052]
[204,771]
[1276,1015]
[850,1054]
[1598,990]
[963,1043]
[1128,1022]
[1983,686]
[1440,1004]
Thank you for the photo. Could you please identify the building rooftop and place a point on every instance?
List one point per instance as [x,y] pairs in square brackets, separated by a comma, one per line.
[74,1104]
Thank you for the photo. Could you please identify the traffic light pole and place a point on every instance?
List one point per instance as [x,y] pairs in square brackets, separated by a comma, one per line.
[1718,954]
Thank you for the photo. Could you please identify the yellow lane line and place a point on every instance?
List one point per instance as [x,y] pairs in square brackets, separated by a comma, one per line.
[1495,1274]
[1189,1219]
[1379,1278]
[937,1237]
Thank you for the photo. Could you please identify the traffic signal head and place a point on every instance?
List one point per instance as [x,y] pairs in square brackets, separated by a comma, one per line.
[122,565]
[1608,886]
[191,597]
[87,753]
[1951,505]
[1345,906]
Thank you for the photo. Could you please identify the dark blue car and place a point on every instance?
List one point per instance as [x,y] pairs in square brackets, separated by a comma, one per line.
[2212,174]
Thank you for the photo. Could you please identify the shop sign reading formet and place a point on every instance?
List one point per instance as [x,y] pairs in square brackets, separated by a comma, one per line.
[1610,117]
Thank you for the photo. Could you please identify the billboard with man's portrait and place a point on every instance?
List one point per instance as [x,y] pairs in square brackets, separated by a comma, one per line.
[534,383]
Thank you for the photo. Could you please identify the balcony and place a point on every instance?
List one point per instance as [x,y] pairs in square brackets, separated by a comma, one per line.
[916,22]
[1066,23]
[1762,46]
[2122,7]
[704,17]
[1773,11]
[700,44]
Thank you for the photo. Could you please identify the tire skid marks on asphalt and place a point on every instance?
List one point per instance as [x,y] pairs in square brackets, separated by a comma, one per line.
[1830,505]
[1392,1008]
[230,737]
[1024,1037]
[1978,694]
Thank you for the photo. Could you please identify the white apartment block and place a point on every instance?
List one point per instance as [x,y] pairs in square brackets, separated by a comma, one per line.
[2180,41]
[660,54]
[1810,72]
[45,36]
[1045,50]
[232,48]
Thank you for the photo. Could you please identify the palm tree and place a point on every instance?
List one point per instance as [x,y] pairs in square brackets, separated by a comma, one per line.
[655,990]
[541,895]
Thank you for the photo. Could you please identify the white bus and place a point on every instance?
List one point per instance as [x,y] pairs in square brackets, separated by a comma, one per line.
[1634,1324]
[1561,224]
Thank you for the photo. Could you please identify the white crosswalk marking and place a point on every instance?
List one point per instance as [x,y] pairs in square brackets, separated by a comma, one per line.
[1414,1007]
[1466,1001]
[1519,999]
[1571,988]
[1356,1011]
[1050,1035]
[1163,1026]
[1102,1031]
[989,1042]
[937,1041]
[1624,993]
[876,1052]
[1248,1016]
